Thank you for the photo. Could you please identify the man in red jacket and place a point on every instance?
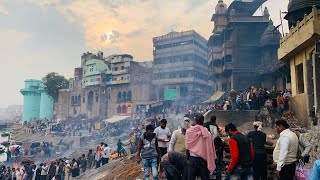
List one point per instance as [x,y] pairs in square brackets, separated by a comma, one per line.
[241,151]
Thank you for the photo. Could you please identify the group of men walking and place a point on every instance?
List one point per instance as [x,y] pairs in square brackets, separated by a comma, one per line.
[196,150]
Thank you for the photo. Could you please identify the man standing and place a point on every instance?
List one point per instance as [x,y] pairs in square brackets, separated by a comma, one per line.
[148,147]
[285,152]
[259,139]
[105,154]
[44,171]
[241,151]
[200,150]
[163,135]
[177,142]
[119,147]
[90,157]
[212,126]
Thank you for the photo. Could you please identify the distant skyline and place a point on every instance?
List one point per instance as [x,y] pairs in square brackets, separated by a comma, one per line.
[41,36]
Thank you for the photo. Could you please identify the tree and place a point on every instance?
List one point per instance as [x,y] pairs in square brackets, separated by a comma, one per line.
[53,82]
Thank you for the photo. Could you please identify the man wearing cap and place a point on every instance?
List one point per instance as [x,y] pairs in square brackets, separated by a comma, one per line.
[163,135]
[177,142]
[259,140]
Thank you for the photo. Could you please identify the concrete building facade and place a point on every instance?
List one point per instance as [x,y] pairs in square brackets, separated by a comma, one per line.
[298,48]
[180,63]
[105,86]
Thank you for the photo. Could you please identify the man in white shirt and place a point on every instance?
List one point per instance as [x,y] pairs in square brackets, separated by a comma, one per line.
[44,171]
[163,135]
[177,142]
[285,152]
[105,154]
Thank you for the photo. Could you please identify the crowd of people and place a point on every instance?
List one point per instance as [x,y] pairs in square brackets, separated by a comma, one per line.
[62,168]
[197,148]
[254,99]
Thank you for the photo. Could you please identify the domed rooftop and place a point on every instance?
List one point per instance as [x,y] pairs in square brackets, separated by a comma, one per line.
[298,8]
[271,36]
[221,7]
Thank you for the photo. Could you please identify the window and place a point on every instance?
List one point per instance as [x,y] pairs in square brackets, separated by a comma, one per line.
[129,96]
[299,75]
[124,109]
[124,96]
[119,97]
[83,100]
[122,67]
[119,109]
[97,98]
[116,69]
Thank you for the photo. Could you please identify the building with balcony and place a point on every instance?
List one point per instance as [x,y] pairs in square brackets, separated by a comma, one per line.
[180,63]
[235,49]
[300,48]
[105,86]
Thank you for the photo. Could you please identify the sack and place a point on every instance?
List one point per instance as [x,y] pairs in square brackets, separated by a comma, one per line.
[302,173]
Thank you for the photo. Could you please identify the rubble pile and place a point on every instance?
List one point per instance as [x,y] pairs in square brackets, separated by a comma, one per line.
[291,118]
[125,169]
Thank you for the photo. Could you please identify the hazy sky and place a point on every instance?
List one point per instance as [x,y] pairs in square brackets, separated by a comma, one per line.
[41,36]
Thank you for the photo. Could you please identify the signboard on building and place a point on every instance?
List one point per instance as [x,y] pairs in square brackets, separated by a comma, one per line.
[170,94]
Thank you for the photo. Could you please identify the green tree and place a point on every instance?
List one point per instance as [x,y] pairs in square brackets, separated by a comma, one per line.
[53,82]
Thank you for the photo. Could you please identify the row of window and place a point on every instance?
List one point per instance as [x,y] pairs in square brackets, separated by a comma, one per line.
[171,45]
[121,68]
[124,96]
[181,74]
[75,100]
[181,58]
[122,78]
[123,109]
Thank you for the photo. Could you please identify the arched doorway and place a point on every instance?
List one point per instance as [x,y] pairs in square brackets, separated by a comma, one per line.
[124,109]
[119,109]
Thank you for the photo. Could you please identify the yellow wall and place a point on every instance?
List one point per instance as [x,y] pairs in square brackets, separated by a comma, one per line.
[295,61]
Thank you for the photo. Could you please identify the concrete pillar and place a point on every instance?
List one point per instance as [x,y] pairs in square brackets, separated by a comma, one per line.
[309,88]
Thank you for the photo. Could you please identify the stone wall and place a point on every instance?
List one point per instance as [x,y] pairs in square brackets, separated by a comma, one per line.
[236,117]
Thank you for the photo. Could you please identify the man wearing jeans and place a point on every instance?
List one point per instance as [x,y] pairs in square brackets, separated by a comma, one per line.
[148,147]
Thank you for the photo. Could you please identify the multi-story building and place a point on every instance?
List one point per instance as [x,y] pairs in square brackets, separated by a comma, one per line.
[131,84]
[298,49]
[180,64]
[104,87]
[235,46]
